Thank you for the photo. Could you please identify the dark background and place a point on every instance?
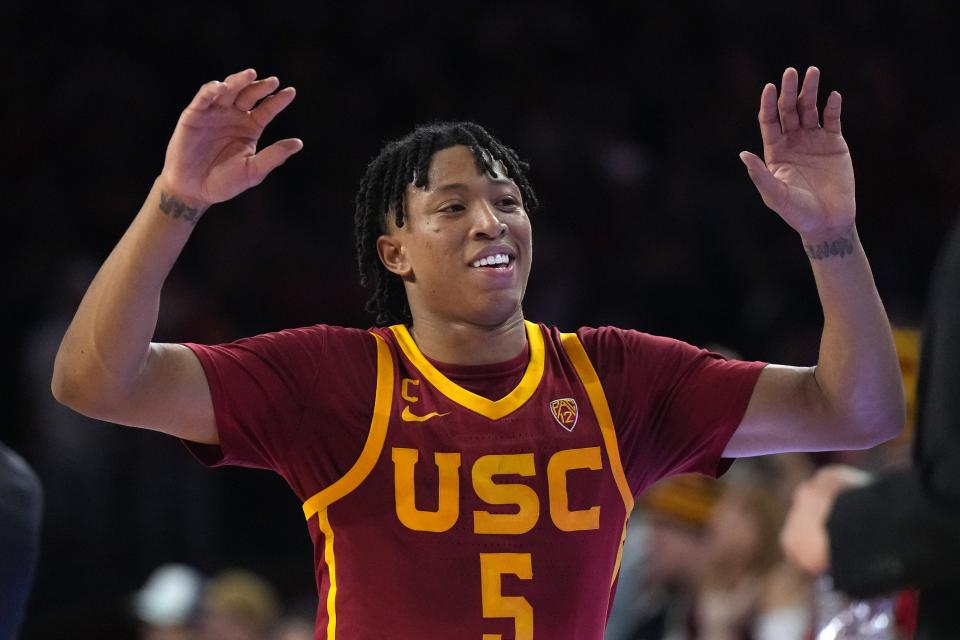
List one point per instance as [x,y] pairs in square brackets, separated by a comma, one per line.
[631,120]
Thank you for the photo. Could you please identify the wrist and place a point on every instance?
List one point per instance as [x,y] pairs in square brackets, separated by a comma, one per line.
[836,242]
[173,203]
[819,552]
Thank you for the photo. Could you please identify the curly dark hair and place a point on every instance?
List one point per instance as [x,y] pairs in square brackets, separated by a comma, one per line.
[382,190]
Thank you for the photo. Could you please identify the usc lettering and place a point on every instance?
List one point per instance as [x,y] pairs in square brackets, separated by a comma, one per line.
[448,502]
[494,493]
[560,463]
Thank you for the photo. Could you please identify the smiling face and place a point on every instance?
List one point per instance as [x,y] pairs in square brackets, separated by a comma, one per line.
[464,251]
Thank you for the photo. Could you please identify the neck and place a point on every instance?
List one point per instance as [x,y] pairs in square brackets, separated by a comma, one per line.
[461,342]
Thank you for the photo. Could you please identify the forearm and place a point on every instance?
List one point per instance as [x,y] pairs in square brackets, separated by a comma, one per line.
[857,373]
[108,342]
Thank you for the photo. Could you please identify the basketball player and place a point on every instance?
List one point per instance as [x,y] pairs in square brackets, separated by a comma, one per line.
[464,472]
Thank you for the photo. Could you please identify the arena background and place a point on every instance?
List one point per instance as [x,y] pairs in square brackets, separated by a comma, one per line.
[631,119]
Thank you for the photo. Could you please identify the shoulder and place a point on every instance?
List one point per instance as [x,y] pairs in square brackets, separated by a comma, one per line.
[298,354]
[614,343]
[312,341]
[626,358]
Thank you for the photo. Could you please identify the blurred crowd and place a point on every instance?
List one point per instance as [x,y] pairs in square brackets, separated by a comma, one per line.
[703,561]
[632,122]
[178,603]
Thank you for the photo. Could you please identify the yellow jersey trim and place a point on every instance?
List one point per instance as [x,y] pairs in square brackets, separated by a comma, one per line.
[623,540]
[598,400]
[492,409]
[328,557]
[375,438]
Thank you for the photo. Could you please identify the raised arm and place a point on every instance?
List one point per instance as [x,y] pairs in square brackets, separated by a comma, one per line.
[903,529]
[853,397]
[107,367]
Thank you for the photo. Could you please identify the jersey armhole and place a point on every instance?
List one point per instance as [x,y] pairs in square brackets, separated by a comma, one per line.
[598,400]
[373,446]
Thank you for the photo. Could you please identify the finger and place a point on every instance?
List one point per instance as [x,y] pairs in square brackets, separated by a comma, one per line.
[827,487]
[236,83]
[260,165]
[787,105]
[268,109]
[768,117]
[255,92]
[831,113]
[772,191]
[840,475]
[807,101]
[207,94]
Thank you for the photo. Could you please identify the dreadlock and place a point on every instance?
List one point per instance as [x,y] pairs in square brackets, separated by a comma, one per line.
[382,190]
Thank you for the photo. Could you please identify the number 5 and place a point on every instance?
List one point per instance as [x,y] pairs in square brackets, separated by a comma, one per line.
[495,604]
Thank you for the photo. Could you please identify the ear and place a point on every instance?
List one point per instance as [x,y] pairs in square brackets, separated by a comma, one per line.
[392,255]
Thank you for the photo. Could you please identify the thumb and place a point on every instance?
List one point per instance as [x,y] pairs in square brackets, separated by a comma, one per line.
[771,189]
[268,159]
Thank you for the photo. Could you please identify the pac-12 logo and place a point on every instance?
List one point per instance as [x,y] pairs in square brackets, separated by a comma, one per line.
[564,411]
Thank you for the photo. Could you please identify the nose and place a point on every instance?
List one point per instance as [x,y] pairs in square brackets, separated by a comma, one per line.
[487,224]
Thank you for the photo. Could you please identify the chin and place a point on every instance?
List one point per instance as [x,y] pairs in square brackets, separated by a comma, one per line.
[496,310]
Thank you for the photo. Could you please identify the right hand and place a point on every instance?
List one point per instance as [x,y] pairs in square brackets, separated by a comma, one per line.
[804,537]
[212,155]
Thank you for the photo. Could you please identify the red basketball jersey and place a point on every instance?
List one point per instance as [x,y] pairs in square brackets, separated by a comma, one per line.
[466,517]
[437,512]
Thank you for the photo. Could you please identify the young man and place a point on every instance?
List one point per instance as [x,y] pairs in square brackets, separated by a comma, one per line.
[466,473]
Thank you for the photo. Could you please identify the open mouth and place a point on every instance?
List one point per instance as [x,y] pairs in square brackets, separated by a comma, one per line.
[497,261]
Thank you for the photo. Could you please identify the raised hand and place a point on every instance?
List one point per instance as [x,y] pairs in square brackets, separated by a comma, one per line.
[806,174]
[212,155]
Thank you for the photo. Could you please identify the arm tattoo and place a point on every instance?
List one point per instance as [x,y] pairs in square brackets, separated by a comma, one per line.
[176,208]
[841,247]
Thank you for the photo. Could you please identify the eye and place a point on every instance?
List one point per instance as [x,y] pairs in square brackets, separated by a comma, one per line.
[453,207]
[509,203]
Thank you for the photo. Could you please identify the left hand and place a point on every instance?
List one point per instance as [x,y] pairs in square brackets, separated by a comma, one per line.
[806,175]
[804,536]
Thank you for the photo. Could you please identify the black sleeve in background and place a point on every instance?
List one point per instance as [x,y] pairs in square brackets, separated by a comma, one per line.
[893,534]
[21,507]
[904,530]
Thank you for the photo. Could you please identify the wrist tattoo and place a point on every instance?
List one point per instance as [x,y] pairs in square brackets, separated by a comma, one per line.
[176,208]
[839,248]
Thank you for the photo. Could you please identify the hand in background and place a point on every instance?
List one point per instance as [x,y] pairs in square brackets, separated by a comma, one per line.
[804,537]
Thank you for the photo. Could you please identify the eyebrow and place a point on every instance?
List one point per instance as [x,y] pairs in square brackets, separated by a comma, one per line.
[459,186]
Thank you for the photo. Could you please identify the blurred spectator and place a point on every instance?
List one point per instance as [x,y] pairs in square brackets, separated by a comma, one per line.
[167,603]
[293,628]
[662,559]
[21,508]
[747,590]
[238,605]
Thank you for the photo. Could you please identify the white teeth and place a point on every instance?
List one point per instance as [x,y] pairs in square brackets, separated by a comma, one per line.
[500,258]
